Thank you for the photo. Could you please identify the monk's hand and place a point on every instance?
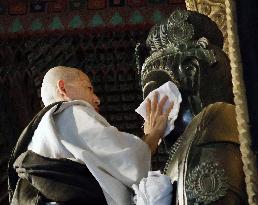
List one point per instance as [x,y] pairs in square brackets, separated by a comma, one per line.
[156,119]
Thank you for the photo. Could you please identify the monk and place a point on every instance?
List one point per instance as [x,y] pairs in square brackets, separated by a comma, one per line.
[69,154]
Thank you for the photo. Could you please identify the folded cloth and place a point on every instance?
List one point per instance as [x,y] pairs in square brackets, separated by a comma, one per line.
[156,189]
[171,90]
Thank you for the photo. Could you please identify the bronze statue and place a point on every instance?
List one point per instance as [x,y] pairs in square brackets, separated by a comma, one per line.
[204,161]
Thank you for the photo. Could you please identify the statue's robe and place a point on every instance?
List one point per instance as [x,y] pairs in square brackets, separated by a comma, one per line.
[205,163]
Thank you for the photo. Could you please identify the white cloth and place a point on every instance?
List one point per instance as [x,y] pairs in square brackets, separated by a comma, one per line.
[171,90]
[116,159]
[156,189]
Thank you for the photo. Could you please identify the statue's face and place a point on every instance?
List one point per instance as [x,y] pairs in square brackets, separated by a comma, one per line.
[188,75]
[185,74]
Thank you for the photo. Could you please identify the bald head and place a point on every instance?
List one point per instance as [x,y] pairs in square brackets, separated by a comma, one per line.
[65,83]
[50,86]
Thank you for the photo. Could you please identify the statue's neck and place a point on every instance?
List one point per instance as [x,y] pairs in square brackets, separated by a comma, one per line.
[190,106]
[195,104]
[185,116]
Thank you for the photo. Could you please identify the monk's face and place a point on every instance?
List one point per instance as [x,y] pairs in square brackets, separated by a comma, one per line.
[82,89]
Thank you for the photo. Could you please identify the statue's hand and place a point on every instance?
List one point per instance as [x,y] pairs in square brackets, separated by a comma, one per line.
[156,122]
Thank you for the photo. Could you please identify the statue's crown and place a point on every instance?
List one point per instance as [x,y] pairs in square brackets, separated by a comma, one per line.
[183,34]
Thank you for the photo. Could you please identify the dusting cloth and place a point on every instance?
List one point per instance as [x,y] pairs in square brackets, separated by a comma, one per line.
[156,189]
[171,90]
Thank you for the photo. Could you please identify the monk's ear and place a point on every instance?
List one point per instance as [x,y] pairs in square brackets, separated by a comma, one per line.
[61,87]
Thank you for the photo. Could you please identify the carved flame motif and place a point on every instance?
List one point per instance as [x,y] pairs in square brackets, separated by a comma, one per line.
[163,34]
[177,17]
[173,32]
[206,183]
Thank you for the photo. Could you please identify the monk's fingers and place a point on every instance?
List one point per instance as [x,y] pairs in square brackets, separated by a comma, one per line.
[169,108]
[148,109]
[146,128]
[152,119]
[161,105]
[154,102]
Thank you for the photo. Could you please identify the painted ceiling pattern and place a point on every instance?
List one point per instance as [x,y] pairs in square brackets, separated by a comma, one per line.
[48,15]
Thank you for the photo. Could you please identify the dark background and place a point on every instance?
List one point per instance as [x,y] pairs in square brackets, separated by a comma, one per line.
[247,19]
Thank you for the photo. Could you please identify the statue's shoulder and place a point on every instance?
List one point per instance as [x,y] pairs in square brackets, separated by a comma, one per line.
[218,124]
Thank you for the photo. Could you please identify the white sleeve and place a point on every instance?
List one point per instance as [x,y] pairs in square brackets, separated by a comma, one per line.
[119,154]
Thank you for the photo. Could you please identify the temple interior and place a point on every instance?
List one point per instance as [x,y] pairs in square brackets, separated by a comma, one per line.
[100,37]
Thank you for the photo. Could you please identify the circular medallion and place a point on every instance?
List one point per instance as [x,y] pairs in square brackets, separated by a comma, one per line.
[206,183]
[180,33]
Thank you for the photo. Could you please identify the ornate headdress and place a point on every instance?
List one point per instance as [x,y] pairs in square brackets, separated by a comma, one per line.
[184,34]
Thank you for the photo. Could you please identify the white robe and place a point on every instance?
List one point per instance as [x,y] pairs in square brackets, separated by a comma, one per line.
[76,131]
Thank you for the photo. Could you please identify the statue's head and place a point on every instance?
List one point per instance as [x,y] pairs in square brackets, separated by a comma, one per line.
[187,49]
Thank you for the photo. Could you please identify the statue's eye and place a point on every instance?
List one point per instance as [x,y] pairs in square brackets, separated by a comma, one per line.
[190,66]
[189,69]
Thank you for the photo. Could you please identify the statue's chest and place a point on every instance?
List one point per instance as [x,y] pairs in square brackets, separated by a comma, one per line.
[177,165]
